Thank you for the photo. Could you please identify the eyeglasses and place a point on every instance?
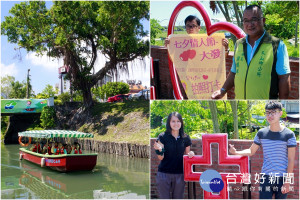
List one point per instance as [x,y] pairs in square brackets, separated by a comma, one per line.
[191,27]
[272,113]
[253,20]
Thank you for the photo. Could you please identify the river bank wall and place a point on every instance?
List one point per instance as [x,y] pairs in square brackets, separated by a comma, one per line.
[122,149]
[118,148]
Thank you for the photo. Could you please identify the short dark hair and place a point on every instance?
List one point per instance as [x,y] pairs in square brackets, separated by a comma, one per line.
[253,6]
[169,129]
[191,18]
[272,105]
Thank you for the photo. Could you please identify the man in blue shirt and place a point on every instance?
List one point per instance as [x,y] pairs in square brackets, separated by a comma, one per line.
[260,68]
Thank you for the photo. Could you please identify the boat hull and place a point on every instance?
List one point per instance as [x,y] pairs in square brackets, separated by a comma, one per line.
[62,163]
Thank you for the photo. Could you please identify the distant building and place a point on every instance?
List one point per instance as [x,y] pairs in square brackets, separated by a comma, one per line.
[292,110]
[107,78]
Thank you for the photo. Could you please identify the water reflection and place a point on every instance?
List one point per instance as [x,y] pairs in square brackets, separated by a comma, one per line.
[113,177]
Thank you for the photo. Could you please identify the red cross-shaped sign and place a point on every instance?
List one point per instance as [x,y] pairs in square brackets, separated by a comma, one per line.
[224,159]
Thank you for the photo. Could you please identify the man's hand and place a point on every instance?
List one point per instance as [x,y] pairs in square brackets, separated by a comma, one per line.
[225,43]
[285,188]
[218,94]
[167,41]
[284,86]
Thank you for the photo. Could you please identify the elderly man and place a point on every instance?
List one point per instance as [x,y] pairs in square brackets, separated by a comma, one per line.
[260,68]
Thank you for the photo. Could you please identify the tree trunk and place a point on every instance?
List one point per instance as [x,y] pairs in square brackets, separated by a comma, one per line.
[236,11]
[87,94]
[235,119]
[225,123]
[214,115]
[224,11]
[249,115]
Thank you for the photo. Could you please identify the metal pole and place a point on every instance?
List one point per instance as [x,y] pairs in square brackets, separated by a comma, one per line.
[61,84]
[27,91]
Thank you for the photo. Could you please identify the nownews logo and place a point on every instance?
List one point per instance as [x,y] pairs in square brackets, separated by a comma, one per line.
[211,181]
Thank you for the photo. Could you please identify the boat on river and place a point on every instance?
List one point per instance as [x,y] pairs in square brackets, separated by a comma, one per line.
[61,162]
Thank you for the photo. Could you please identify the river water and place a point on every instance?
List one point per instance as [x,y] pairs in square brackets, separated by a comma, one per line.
[114,177]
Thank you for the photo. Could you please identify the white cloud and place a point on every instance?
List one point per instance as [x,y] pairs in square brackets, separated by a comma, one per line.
[44,61]
[10,70]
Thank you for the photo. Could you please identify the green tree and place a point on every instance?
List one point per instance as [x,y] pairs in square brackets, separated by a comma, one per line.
[214,115]
[48,91]
[76,31]
[235,119]
[196,116]
[6,85]
[64,97]
[18,90]
[156,29]
[232,11]
[77,96]
[282,18]
[48,117]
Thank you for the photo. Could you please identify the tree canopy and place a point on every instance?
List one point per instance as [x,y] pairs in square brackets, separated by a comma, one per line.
[13,89]
[281,16]
[156,29]
[77,31]
[48,91]
[199,118]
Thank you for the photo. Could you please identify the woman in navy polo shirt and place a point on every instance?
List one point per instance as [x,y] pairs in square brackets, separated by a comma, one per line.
[170,148]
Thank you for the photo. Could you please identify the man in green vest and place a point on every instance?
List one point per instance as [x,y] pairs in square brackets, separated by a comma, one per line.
[260,68]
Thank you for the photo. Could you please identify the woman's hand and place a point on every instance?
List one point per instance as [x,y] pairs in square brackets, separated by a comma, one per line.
[158,146]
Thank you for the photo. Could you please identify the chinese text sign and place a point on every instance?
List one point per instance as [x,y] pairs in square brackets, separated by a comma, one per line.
[200,63]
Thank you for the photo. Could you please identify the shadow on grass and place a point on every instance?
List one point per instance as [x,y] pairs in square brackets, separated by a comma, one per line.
[116,113]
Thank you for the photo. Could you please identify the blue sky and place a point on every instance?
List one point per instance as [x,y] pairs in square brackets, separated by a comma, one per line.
[162,11]
[44,70]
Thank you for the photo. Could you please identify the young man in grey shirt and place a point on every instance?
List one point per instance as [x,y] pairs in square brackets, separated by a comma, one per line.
[279,147]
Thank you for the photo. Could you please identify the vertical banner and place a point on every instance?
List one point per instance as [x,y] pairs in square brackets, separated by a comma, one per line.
[200,63]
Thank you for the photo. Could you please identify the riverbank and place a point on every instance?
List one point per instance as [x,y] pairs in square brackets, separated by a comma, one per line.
[119,128]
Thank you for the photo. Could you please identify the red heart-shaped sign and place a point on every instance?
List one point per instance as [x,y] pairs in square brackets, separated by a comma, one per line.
[235,30]
[205,77]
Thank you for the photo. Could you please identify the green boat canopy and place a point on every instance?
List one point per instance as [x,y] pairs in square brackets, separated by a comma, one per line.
[55,134]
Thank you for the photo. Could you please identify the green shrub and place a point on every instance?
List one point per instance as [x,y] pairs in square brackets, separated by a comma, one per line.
[48,117]
[64,97]
[4,124]
[57,102]
[155,132]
